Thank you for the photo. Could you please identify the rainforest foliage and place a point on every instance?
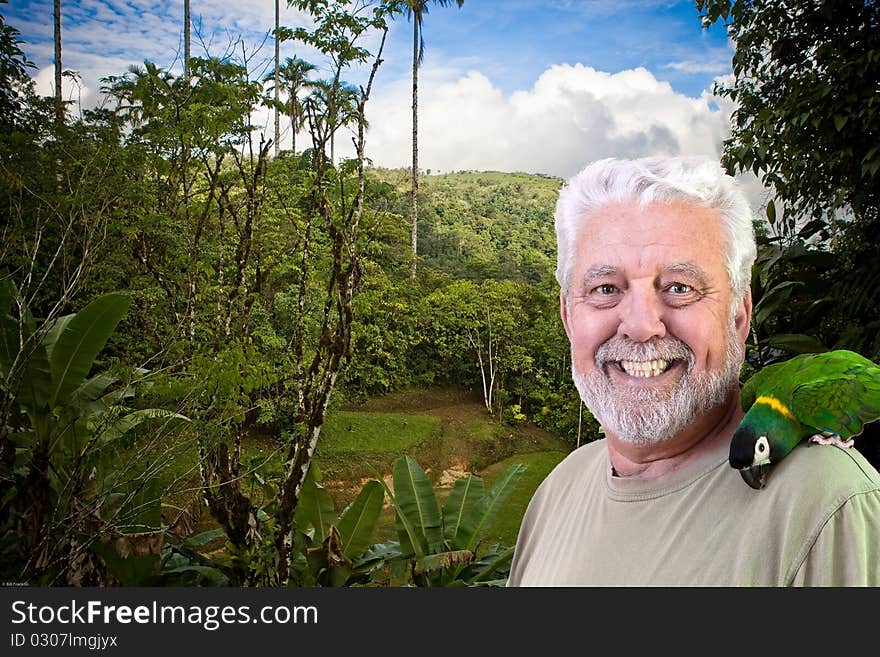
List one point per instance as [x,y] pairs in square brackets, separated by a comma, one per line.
[170,289]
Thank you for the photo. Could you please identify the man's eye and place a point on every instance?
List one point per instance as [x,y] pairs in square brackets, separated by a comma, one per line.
[606,289]
[680,288]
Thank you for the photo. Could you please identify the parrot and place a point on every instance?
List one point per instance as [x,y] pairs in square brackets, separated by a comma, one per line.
[826,398]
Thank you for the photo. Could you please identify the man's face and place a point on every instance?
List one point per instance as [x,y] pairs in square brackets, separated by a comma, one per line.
[655,346]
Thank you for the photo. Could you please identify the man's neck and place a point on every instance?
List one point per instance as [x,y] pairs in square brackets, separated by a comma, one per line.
[656,460]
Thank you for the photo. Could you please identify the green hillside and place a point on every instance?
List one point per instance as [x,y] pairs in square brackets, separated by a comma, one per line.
[484,224]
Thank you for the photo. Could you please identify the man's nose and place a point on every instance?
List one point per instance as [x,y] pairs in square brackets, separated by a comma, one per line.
[641,315]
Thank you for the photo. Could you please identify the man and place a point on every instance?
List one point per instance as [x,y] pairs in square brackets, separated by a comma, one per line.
[654,262]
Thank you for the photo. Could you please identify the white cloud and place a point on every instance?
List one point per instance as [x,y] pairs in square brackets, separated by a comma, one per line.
[699,66]
[571,115]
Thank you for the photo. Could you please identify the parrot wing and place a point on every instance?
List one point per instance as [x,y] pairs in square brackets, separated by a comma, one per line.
[840,404]
[761,381]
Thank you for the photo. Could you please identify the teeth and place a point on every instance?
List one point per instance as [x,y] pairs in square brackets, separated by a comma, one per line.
[644,369]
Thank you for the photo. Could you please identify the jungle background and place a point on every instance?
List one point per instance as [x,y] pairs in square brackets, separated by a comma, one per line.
[227,364]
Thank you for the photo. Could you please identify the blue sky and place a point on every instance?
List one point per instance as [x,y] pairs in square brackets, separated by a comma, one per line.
[511,41]
[539,86]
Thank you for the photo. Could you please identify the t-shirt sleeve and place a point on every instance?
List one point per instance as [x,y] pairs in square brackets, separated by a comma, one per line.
[846,551]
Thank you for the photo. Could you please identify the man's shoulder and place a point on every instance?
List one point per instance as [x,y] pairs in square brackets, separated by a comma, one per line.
[586,460]
[833,472]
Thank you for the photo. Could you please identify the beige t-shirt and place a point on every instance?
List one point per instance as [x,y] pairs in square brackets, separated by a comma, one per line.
[816,523]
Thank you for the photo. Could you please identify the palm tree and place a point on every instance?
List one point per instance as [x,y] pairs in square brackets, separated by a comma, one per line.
[277,66]
[59,104]
[416,9]
[186,36]
[292,76]
[333,105]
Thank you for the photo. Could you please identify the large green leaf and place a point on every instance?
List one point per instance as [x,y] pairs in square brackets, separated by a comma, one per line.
[315,507]
[462,510]
[773,299]
[489,565]
[81,340]
[797,343]
[378,553]
[56,328]
[91,389]
[358,521]
[415,501]
[499,493]
[203,538]
[407,532]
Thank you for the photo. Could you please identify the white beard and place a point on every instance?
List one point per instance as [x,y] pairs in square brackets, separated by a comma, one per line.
[645,415]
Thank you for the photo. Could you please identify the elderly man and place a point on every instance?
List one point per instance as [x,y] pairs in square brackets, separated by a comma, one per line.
[654,262]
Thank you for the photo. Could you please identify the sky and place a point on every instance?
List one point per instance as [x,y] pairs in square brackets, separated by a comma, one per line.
[536,86]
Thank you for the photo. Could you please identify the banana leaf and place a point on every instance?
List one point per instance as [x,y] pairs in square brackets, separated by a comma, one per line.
[433,562]
[80,341]
[416,507]
[91,389]
[55,329]
[358,521]
[489,565]
[462,510]
[499,493]
[315,508]
[378,554]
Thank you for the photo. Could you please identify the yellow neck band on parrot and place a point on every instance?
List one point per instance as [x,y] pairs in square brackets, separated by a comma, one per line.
[776,405]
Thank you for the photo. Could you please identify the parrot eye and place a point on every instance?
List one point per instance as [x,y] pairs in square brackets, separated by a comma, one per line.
[762,450]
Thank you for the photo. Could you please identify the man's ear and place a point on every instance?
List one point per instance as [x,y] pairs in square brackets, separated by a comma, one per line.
[743,315]
[563,311]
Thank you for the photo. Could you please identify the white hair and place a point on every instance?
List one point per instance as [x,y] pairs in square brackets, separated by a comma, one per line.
[697,180]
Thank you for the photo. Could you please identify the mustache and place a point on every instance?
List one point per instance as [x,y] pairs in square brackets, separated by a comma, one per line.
[620,348]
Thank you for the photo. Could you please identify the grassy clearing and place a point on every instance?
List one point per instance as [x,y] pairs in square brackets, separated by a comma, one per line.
[538,465]
[352,443]
[347,432]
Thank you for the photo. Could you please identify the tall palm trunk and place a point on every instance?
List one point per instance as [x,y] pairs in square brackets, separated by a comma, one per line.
[294,90]
[59,103]
[414,211]
[186,23]
[277,65]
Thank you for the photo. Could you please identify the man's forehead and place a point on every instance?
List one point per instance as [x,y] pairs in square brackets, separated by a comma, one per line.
[682,268]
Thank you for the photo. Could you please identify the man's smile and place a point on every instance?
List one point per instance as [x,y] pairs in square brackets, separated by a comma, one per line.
[641,369]
[646,368]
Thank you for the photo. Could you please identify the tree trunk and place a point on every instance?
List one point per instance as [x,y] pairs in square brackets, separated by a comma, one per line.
[414,211]
[186,53]
[59,103]
[277,64]
[293,117]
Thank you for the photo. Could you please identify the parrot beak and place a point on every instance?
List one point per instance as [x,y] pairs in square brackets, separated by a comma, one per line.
[756,475]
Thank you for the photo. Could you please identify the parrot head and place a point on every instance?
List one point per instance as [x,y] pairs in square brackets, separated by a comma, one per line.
[763,438]
[751,454]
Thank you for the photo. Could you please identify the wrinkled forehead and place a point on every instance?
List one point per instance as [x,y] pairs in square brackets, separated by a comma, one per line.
[668,237]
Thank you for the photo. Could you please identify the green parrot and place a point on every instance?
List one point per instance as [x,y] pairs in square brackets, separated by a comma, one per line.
[826,397]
